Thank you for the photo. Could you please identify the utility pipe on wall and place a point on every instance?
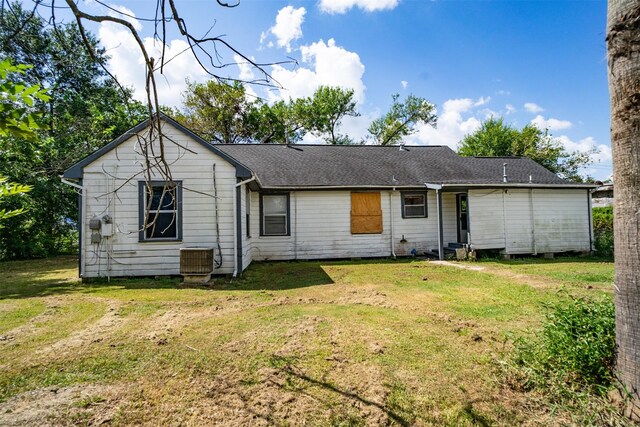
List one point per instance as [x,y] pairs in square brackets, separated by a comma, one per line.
[393,249]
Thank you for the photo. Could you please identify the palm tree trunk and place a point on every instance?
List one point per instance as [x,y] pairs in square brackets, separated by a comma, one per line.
[623,55]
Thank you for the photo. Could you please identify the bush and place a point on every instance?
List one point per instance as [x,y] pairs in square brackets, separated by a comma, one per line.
[574,351]
[603,231]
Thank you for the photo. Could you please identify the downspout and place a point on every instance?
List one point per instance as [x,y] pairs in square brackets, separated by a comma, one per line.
[393,249]
[237,220]
[590,207]
[81,214]
[295,225]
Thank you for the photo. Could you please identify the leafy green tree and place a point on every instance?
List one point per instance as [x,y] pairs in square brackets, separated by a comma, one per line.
[16,102]
[402,119]
[280,123]
[328,106]
[495,138]
[10,189]
[217,111]
[85,111]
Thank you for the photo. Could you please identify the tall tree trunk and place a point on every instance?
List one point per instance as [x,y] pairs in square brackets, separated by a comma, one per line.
[623,55]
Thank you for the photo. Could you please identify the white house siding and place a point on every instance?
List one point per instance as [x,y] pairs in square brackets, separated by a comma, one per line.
[321,228]
[122,254]
[562,220]
[530,221]
[486,219]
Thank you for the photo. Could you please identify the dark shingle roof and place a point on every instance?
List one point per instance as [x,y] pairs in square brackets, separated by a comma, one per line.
[281,166]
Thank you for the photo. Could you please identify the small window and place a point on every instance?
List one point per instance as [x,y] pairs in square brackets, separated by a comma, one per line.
[366,213]
[414,205]
[275,215]
[160,211]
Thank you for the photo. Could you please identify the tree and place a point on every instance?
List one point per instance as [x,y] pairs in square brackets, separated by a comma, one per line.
[495,138]
[17,117]
[280,123]
[217,111]
[402,120]
[221,113]
[623,57]
[84,111]
[328,106]
[10,189]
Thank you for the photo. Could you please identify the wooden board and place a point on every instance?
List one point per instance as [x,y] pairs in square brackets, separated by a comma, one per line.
[366,213]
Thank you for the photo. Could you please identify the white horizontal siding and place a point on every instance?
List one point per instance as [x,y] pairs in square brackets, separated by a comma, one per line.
[486,219]
[321,228]
[122,254]
[530,221]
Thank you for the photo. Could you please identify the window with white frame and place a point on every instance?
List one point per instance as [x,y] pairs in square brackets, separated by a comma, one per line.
[160,211]
[274,215]
[414,205]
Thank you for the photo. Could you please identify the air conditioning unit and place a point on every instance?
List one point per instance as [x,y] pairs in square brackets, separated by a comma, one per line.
[196,264]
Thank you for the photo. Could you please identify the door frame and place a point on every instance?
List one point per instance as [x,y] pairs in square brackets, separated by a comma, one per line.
[458,219]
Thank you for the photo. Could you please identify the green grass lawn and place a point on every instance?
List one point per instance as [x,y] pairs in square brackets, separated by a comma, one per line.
[372,342]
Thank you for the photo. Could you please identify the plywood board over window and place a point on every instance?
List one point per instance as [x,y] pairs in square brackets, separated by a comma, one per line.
[366,213]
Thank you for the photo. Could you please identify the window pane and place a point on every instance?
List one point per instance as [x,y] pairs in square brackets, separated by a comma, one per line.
[167,199]
[275,225]
[165,227]
[414,211]
[414,199]
[274,205]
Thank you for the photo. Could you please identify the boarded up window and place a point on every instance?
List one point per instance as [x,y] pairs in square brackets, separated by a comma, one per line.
[366,213]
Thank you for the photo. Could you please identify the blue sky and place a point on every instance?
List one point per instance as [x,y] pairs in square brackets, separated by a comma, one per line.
[540,61]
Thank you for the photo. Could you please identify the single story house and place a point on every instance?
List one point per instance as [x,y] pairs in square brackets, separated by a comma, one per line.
[287,202]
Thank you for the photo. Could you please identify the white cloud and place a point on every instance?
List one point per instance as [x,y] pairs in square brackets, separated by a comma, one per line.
[342,6]
[288,27]
[482,101]
[533,107]
[503,92]
[457,119]
[551,124]
[404,84]
[510,109]
[127,64]
[329,65]
[246,69]
[601,152]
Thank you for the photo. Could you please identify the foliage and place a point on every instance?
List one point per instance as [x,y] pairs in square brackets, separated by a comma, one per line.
[85,111]
[495,138]
[603,231]
[216,111]
[221,113]
[574,351]
[402,119]
[11,189]
[16,102]
[328,106]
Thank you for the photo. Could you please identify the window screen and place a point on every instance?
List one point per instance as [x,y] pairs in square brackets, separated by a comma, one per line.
[414,205]
[366,213]
[162,215]
[275,215]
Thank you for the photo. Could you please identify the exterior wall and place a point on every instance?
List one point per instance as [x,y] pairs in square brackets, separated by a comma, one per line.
[123,254]
[530,221]
[321,228]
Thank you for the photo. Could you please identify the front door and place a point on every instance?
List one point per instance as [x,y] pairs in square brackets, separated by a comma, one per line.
[463,217]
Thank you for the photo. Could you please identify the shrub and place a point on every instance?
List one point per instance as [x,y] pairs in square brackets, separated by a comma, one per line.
[603,231]
[574,351]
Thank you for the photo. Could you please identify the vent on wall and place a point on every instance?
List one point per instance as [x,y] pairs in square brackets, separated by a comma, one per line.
[196,261]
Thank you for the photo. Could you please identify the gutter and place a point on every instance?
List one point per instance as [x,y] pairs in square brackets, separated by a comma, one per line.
[237,220]
[431,186]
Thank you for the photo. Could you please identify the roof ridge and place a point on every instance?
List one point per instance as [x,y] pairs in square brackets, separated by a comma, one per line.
[326,145]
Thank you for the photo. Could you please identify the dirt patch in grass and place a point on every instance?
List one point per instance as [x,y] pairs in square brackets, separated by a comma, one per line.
[89,404]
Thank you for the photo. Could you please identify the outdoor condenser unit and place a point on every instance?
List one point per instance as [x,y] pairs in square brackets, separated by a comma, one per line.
[196,264]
